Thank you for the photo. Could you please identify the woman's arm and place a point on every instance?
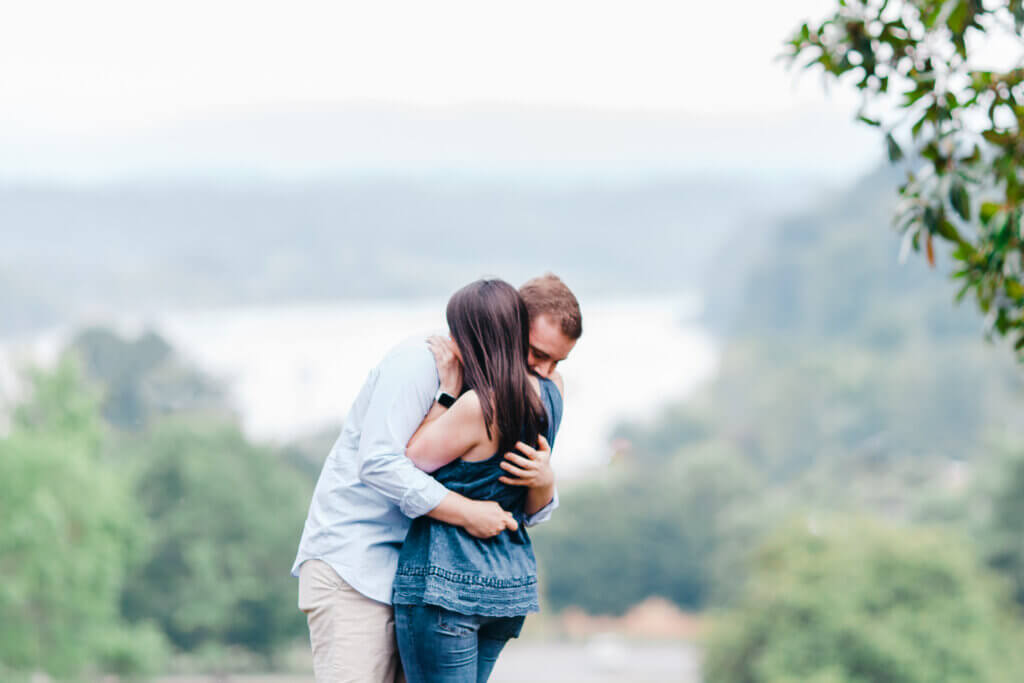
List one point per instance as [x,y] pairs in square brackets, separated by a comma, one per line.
[448,434]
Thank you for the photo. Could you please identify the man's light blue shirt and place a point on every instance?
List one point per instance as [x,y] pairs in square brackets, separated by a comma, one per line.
[368,491]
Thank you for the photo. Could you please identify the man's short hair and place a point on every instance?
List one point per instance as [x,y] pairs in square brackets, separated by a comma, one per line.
[548,295]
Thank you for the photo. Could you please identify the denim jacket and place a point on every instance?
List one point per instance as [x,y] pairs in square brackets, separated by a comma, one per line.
[443,565]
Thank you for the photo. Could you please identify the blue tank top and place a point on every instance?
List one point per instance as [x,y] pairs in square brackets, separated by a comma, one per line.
[443,565]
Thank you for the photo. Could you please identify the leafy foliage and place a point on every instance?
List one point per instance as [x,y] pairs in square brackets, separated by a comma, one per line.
[224,516]
[70,532]
[123,538]
[845,601]
[682,535]
[956,124]
[1003,530]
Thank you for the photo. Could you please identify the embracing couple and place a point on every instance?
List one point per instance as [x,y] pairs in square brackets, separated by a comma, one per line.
[415,547]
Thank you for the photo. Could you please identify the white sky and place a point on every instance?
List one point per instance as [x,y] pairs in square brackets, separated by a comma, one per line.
[78,66]
[105,87]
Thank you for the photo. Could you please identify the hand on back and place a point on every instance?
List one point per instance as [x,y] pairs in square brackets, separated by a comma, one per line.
[486,519]
[529,467]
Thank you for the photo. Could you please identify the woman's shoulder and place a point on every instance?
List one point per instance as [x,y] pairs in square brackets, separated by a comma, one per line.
[467,404]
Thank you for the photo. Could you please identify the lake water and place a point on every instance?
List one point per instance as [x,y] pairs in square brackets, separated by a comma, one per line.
[295,369]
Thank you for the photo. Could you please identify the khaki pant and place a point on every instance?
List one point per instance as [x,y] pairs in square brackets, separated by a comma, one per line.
[353,637]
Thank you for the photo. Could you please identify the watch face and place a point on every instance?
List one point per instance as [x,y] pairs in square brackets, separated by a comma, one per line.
[445,399]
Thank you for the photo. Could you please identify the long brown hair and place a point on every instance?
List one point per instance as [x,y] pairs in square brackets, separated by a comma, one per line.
[490,324]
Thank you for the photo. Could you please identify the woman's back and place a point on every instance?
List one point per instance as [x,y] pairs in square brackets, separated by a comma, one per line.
[443,565]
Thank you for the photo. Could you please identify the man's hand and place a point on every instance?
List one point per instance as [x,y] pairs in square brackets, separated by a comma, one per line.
[485,519]
[449,364]
[532,468]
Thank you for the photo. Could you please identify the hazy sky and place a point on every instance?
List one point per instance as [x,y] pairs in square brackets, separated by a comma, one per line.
[76,69]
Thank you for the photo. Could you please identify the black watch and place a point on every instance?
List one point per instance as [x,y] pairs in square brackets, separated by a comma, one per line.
[444,398]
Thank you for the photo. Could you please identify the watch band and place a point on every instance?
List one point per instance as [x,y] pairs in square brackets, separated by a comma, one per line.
[444,398]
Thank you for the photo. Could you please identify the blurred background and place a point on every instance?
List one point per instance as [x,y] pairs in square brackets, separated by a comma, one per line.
[215,218]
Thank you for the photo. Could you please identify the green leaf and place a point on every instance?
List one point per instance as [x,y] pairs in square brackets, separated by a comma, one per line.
[931,219]
[989,209]
[957,20]
[947,231]
[960,200]
[997,138]
[870,122]
[962,292]
[893,148]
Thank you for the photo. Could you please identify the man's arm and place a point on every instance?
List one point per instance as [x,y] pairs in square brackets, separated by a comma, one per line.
[402,394]
[544,514]
[480,518]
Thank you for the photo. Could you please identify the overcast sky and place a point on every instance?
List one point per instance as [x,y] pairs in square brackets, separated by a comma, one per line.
[111,69]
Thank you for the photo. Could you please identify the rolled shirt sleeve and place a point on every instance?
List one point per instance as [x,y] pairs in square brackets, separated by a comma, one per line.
[544,514]
[404,389]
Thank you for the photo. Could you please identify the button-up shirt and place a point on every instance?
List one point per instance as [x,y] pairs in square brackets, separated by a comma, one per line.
[368,490]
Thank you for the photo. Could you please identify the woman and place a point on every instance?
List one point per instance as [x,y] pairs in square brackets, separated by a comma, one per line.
[459,599]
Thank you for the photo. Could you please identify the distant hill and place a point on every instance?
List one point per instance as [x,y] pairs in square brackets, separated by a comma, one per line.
[832,272]
[69,252]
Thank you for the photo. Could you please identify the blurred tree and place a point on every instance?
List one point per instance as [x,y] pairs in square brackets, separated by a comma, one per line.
[1003,531]
[225,516]
[842,601]
[679,531]
[144,378]
[868,406]
[955,122]
[70,530]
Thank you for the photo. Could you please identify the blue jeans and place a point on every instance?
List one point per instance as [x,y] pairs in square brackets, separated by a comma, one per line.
[440,646]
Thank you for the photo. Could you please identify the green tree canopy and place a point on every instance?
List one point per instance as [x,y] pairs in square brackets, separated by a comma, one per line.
[680,531]
[225,515]
[70,530]
[1003,530]
[842,601]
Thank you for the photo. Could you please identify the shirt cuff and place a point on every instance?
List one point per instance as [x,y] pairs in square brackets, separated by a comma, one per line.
[544,514]
[419,501]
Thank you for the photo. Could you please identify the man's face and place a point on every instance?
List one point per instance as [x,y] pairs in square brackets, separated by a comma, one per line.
[548,345]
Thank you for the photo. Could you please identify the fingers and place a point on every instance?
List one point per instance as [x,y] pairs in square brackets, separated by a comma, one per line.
[440,351]
[526,450]
[543,442]
[513,482]
[449,344]
[442,347]
[519,460]
[510,523]
[512,469]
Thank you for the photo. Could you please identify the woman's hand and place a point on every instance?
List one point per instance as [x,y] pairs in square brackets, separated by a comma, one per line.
[449,363]
[532,468]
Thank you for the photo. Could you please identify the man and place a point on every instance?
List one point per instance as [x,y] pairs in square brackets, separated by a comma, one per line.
[368,491]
